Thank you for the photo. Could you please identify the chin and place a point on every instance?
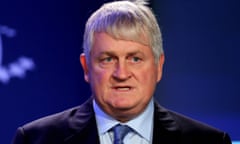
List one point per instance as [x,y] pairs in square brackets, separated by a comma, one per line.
[123,103]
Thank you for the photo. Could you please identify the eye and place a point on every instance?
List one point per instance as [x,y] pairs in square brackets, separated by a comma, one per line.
[106,60]
[135,59]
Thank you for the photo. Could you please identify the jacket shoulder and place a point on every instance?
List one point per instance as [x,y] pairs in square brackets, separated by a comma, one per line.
[56,128]
[57,120]
[190,130]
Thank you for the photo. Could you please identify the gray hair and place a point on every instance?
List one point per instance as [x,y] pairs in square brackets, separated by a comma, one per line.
[126,20]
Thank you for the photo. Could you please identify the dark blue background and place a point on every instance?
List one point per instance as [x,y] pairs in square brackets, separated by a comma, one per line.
[201,73]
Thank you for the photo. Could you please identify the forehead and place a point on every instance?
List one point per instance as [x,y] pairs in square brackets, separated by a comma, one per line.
[105,44]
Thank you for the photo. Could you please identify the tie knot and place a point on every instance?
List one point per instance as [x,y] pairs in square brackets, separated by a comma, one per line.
[120,131]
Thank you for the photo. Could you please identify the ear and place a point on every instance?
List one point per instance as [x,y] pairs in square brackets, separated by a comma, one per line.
[160,67]
[83,62]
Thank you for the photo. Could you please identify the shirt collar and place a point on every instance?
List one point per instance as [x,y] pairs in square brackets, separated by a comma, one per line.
[142,124]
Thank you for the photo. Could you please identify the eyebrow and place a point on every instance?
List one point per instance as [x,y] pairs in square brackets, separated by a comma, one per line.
[112,53]
[107,53]
[135,53]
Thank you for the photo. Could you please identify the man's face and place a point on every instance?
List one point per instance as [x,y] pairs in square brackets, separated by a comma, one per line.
[122,75]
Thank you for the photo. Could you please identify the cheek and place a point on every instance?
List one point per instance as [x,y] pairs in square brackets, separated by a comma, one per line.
[97,82]
[148,80]
[148,74]
[99,77]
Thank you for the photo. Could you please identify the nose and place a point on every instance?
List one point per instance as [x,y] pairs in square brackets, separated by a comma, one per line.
[121,71]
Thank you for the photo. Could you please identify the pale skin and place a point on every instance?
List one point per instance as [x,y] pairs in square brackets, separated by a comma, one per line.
[122,74]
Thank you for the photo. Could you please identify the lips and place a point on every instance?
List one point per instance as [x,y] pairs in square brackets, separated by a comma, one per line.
[122,88]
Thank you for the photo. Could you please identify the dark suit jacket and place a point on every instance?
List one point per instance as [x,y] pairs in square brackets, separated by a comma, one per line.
[78,126]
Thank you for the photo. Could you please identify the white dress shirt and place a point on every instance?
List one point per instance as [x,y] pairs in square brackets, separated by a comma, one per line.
[142,126]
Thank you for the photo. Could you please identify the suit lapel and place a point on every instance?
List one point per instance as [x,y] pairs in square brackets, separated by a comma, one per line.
[88,135]
[166,130]
[83,126]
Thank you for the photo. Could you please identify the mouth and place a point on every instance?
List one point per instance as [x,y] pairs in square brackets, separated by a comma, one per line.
[122,88]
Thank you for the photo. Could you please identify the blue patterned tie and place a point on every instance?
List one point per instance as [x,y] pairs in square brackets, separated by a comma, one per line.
[120,131]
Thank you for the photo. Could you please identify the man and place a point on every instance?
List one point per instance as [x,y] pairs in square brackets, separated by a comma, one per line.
[122,61]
